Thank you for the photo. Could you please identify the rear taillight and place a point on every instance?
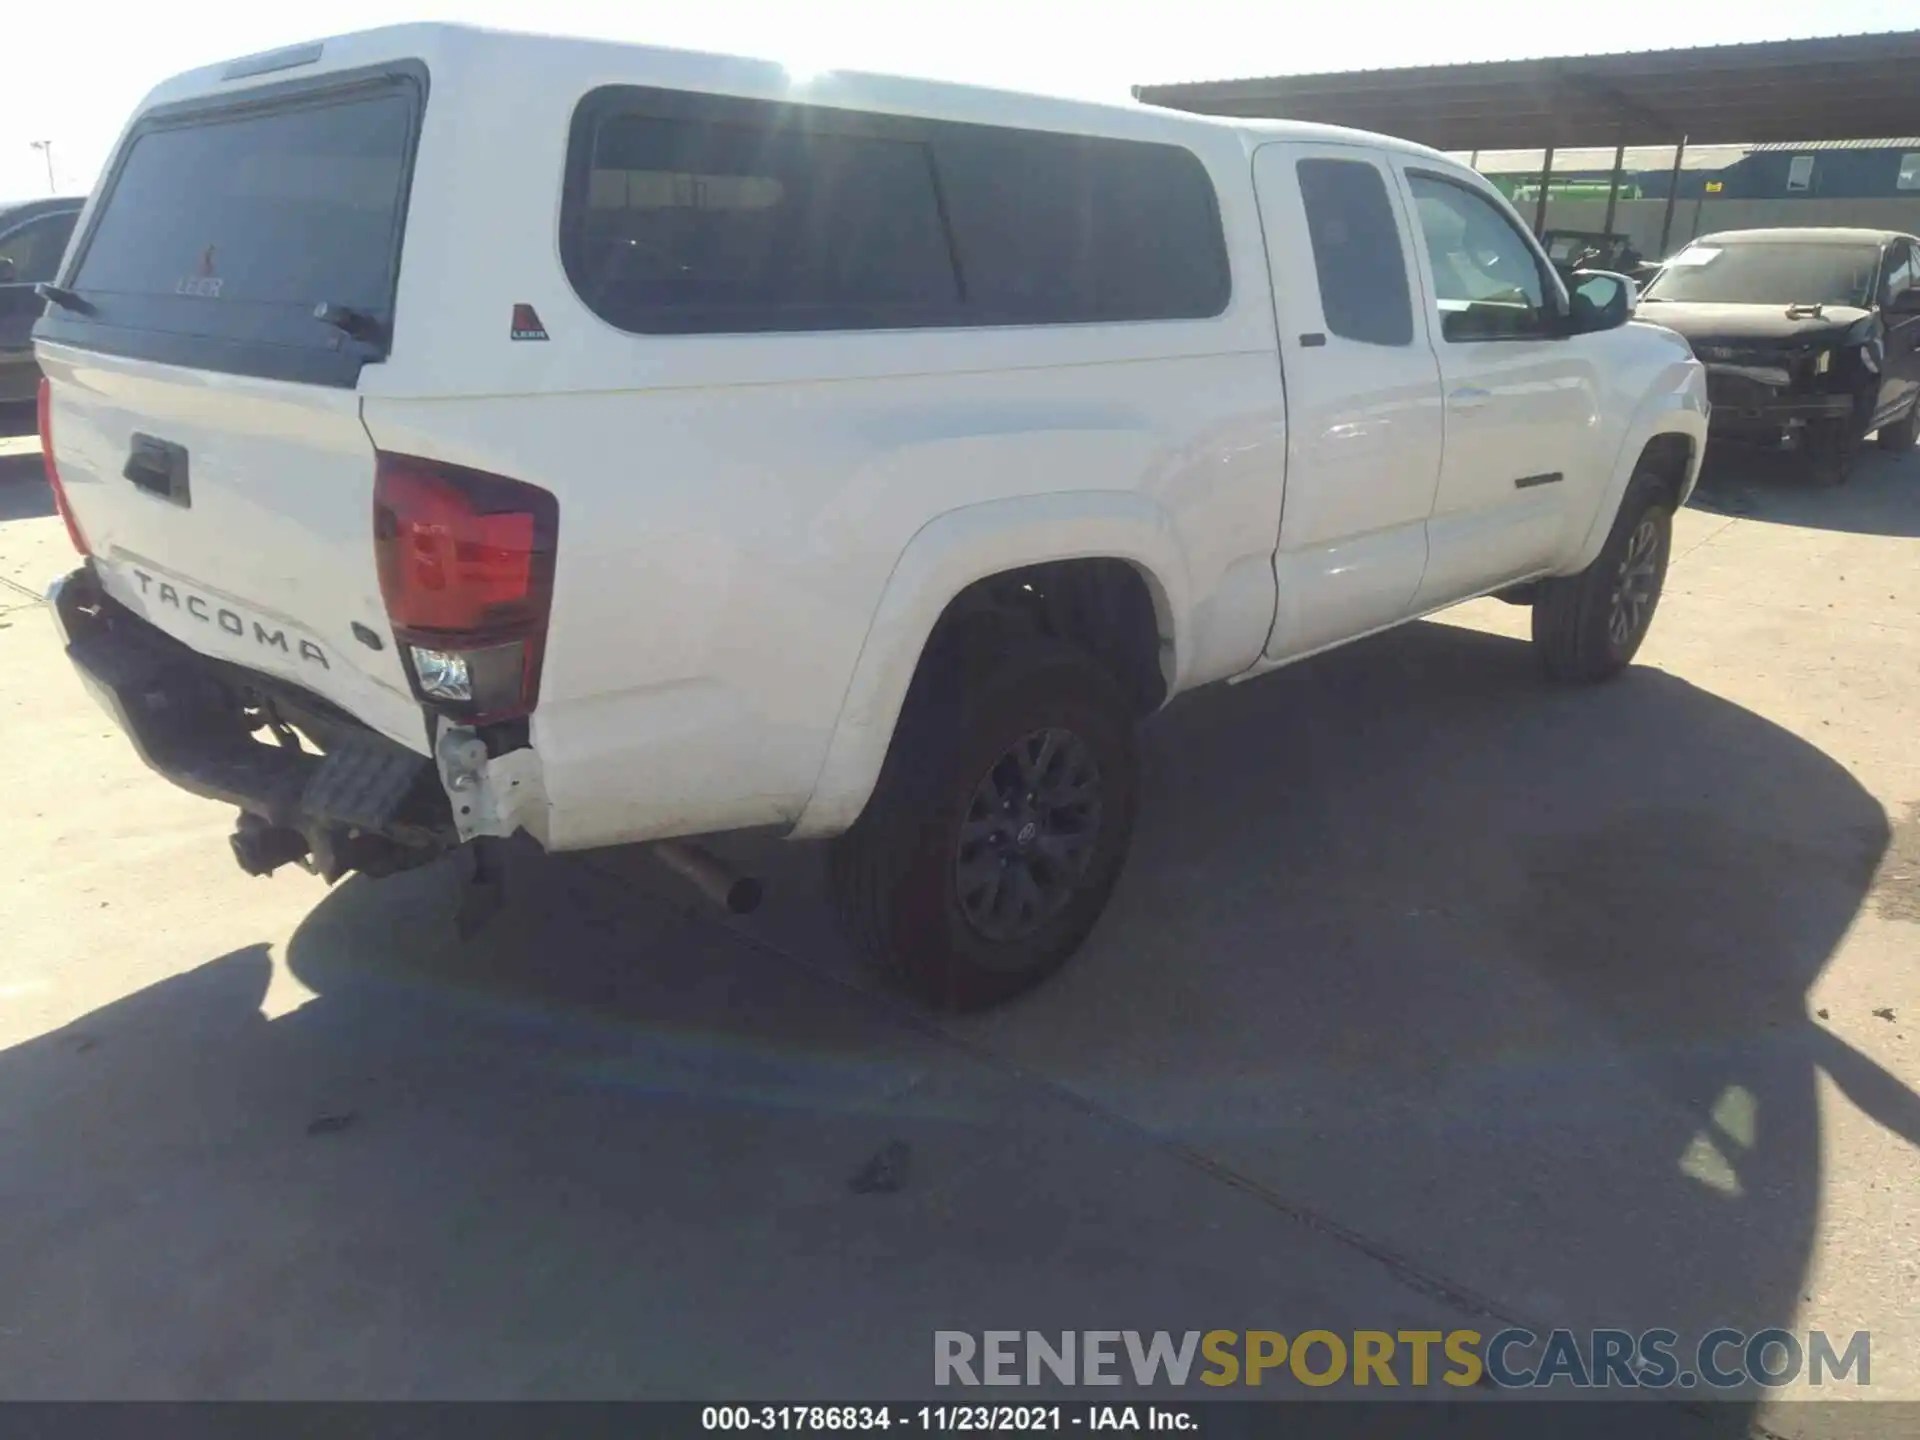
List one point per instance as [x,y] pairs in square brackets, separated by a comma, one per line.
[53,470]
[466,570]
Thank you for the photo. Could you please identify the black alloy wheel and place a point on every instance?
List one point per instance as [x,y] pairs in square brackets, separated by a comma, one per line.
[1028,835]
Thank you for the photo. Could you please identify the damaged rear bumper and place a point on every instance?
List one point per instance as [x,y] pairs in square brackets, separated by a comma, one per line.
[314,785]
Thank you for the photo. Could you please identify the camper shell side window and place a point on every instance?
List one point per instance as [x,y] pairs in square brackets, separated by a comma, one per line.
[689,214]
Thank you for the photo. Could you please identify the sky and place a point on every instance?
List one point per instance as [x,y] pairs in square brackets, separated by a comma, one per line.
[75,69]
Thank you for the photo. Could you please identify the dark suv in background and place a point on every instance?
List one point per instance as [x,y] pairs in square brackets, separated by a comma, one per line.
[33,237]
[1811,338]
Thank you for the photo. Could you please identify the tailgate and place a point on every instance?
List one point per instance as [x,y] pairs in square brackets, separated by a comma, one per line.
[236,515]
[237,272]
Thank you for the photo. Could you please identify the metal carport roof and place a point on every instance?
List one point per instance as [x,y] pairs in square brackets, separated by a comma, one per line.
[1599,158]
[1835,88]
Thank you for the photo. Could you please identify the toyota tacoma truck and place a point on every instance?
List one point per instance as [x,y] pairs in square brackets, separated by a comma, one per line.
[469,434]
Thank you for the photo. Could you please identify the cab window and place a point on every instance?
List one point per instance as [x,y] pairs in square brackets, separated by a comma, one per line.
[1356,252]
[1487,280]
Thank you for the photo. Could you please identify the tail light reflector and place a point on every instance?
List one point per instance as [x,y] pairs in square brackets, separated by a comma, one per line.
[53,470]
[466,570]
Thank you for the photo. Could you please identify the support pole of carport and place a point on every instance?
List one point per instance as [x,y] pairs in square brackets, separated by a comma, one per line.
[1613,187]
[1540,205]
[1673,194]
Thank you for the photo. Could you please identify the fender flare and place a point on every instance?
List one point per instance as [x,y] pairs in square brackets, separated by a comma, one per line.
[949,553]
[1679,410]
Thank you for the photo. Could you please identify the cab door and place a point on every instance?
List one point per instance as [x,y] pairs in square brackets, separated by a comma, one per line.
[1900,315]
[1363,394]
[1522,399]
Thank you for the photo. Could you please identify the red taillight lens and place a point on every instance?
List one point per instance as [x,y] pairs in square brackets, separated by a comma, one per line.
[444,563]
[53,470]
[466,571]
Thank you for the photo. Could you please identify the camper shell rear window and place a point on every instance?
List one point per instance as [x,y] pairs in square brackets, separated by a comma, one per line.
[223,230]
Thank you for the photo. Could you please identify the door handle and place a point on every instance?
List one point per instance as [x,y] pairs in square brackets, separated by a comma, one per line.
[1469,397]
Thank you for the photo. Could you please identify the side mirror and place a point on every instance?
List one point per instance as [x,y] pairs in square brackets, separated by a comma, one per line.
[6,271]
[1600,300]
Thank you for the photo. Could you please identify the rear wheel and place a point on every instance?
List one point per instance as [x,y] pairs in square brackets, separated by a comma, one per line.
[1900,435]
[1589,626]
[998,827]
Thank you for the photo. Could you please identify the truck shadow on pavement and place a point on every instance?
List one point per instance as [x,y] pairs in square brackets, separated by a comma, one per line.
[1432,996]
[1509,979]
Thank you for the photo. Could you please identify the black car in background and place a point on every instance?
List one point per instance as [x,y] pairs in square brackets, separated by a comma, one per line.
[1612,251]
[1811,338]
[33,237]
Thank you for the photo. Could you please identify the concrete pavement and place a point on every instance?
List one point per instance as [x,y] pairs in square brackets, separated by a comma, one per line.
[1432,997]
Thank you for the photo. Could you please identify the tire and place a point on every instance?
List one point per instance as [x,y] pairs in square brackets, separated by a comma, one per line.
[1900,435]
[1834,446]
[913,880]
[1579,626]
[1830,461]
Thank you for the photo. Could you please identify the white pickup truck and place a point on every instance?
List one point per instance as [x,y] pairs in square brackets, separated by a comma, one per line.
[470,433]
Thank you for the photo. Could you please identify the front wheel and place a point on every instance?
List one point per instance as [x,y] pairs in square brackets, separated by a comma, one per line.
[997,829]
[1831,457]
[1588,627]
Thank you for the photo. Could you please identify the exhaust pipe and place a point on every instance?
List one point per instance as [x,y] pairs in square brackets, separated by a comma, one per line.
[710,875]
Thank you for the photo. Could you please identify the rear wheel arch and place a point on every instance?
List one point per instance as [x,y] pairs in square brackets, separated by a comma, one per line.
[1101,572]
[1110,608]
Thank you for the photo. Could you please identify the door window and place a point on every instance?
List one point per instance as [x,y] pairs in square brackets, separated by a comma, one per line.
[32,253]
[1487,280]
[1900,274]
[1356,252]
